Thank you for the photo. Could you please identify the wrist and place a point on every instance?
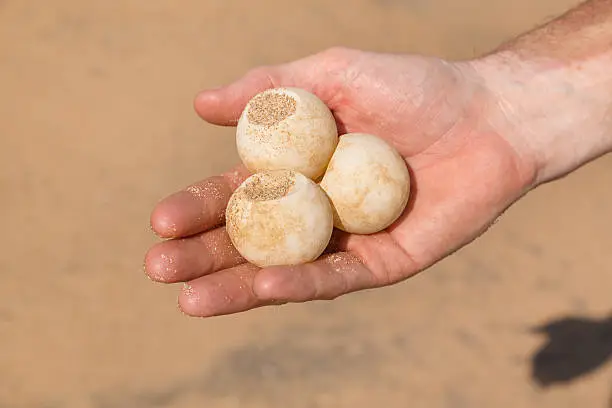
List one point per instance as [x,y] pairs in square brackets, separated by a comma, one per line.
[556,113]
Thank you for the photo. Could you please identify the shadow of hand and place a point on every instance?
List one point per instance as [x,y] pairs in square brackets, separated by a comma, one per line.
[575,347]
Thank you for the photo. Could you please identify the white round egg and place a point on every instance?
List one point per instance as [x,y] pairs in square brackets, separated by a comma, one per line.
[279,217]
[286,129]
[367,182]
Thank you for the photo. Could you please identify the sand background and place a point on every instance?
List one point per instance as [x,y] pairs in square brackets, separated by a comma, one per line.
[96,125]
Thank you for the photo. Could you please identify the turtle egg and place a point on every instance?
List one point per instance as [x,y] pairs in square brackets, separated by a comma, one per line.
[286,129]
[279,217]
[367,182]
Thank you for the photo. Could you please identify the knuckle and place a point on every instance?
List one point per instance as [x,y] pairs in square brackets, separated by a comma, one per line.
[259,72]
[338,52]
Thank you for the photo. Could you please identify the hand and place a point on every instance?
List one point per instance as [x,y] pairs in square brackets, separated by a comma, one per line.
[436,113]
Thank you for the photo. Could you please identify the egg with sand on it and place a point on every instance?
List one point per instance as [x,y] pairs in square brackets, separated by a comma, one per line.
[368,184]
[279,217]
[286,128]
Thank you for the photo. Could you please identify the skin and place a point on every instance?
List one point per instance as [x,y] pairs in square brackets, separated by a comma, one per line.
[478,135]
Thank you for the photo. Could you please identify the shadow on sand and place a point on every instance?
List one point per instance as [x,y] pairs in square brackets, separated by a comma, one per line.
[574,347]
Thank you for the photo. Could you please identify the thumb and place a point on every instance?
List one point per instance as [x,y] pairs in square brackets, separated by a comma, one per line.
[319,74]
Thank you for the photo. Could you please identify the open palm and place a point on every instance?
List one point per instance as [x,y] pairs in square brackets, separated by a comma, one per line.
[436,113]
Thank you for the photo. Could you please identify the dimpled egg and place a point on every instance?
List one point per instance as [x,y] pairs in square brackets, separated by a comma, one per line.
[286,128]
[367,182]
[279,217]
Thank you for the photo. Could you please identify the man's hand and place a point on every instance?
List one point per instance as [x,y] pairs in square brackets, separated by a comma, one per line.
[464,174]
[477,135]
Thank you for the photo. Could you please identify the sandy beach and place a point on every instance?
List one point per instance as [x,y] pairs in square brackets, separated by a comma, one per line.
[97,125]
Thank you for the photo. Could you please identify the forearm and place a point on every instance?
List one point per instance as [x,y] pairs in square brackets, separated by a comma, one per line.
[553,88]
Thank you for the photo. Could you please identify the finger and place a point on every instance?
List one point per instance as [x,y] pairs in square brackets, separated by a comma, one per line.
[388,262]
[223,106]
[331,276]
[227,291]
[197,208]
[321,74]
[247,287]
[189,258]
